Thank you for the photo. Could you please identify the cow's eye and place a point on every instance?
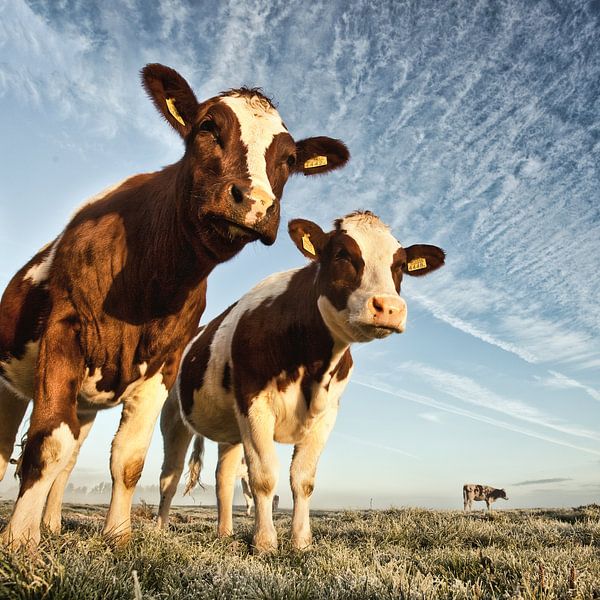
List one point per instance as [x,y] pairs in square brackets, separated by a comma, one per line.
[210,127]
[343,254]
[291,160]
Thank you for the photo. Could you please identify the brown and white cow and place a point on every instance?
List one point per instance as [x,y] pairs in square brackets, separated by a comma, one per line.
[273,366]
[477,492]
[100,316]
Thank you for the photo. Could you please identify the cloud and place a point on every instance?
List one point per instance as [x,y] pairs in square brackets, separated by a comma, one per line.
[542,481]
[446,407]
[377,445]
[468,390]
[430,302]
[429,416]
[559,381]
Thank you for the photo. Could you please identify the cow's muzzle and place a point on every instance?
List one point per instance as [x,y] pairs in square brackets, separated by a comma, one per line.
[387,313]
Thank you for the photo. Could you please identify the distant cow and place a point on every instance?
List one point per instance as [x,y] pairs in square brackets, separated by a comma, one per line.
[472,491]
[100,316]
[272,367]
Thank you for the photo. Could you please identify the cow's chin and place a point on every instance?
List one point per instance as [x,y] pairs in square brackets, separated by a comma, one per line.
[221,240]
[365,332]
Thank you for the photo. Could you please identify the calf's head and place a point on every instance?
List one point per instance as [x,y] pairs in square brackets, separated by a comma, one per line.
[238,157]
[360,270]
[501,494]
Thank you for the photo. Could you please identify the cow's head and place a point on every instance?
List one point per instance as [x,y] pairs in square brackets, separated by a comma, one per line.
[361,266]
[238,157]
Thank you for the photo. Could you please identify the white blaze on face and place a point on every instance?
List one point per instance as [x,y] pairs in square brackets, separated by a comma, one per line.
[259,124]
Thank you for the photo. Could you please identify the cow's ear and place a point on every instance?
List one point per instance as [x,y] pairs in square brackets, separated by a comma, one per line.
[309,238]
[171,95]
[422,259]
[320,155]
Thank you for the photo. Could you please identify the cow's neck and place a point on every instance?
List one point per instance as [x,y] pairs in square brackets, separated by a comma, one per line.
[162,268]
[331,348]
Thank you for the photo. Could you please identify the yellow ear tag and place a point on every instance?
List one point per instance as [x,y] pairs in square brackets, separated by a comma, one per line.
[173,110]
[416,264]
[307,244]
[315,161]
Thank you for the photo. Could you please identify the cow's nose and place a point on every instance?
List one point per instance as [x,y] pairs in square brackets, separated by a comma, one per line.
[388,311]
[259,206]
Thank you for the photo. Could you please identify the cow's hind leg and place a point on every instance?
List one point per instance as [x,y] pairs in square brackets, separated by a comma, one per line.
[176,440]
[128,453]
[12,411]
[247,493]
[52,512]
[230,456]
[53,430]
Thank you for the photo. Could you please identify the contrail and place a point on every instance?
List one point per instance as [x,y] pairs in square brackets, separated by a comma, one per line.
[374,444]
[426,401]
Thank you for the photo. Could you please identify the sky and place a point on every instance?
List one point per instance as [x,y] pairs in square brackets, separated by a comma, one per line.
[474,126]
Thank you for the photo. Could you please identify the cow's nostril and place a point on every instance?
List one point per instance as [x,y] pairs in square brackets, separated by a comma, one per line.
[237,194]
[377,305]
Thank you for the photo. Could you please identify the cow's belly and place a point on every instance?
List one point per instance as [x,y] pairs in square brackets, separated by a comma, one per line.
[19,375]
[213,416]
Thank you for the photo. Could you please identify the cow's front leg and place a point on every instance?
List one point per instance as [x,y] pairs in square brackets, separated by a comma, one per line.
[230,456]
[128,452]
[263,469]
[52,512]
[53,429]
[302,478]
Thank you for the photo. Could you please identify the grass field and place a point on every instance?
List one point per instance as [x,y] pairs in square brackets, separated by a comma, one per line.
[405,553]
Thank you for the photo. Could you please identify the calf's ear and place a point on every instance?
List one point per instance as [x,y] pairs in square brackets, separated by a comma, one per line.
[171,95]
[320,155]
[422,259]
[309,238]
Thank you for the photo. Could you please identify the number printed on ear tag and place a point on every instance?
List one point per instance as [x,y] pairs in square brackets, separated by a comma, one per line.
[315,161]
[416,264]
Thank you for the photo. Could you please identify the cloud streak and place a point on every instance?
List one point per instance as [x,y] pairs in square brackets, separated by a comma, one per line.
[446,407]
[377,445]
[559,381]
[469,391]
[542,481]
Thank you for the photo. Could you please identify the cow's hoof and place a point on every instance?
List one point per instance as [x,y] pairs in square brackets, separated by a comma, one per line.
[117,539]
[53,525]
[26,540]
[263,544]
[302,543]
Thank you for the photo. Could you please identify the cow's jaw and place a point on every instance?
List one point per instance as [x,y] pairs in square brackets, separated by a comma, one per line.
[349,327]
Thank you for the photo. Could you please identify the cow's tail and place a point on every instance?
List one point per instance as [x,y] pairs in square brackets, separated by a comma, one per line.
[195,465]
